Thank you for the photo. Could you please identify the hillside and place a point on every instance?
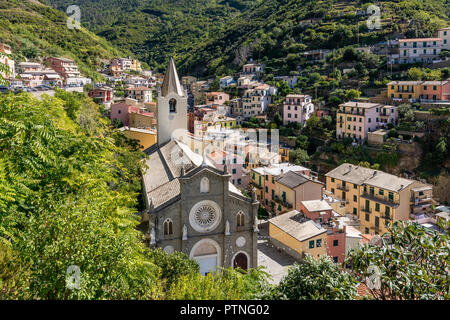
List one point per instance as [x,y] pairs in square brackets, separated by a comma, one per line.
[216,37]
[154,29]
[36,30]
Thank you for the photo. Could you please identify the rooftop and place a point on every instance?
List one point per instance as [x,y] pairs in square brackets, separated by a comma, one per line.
[316,205]
[365,105]
[361,175]
[293,179]
[293,224]
[419,39]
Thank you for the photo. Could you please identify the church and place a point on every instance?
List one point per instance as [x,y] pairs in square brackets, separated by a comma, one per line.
[191,206]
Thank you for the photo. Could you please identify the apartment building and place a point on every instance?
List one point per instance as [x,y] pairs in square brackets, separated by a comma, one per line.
[255,101]
[297,108]
[8,61]
[103,94]
[34,74]
[141,94]
[68,70]
[217,98]
[235,166]
[297,235]
[444,34]
[281,195]
[377,198]
[419,90]
[132,116]
[424,50]
[357,119]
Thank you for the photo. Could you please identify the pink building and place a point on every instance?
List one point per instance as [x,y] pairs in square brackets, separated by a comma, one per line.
[297,108]
[124,112]
[336,244]
[435,90]
[217,98]
[317,210]
[235,166]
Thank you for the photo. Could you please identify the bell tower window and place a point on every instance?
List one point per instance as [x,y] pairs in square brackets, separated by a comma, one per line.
[172,105]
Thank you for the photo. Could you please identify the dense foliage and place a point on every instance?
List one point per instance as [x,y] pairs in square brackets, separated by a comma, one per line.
[35,31]
[411,263]
[215,37]
[316,280]
[69,187]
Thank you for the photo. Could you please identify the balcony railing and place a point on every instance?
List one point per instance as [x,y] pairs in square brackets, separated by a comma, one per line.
[343,188]
[381,199]
[366,210]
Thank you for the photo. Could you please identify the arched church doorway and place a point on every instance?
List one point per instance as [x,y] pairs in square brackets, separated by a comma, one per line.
[207,254]
[240,261]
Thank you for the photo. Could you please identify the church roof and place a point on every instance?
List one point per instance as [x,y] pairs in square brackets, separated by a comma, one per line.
[171,81]
[165,163]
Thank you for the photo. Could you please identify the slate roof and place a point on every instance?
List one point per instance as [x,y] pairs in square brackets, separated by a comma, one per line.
[165,163]
[361,175]
[293,224]
[293,179]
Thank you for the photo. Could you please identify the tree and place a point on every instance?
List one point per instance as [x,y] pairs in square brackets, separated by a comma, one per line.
[316,279]
[410,263]
[277,119]
[415,74]
[299,156]
[353,94]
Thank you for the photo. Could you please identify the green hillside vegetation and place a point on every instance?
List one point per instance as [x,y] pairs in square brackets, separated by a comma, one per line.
[216,37]
[35,30]
[154,30]
[69,190]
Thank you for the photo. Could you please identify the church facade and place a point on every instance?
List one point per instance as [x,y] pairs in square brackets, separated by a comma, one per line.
[192,206]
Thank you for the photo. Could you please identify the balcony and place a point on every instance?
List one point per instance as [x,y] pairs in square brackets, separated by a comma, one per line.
[381,199]
[366,210]
[343,188]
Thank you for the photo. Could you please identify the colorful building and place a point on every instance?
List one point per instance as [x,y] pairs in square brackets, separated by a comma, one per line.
[297,108]
[425,50]
[357,119]
[297,235]
[377,198]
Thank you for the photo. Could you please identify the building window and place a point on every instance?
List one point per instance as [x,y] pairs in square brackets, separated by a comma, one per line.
[355,198]
[332,190]
[240,219]
[377,207]
[381,192]
[204,185]
[332,179]
[335,243]
[367,217]
[335,259]
[319,243]
[234,171]
[355,212]
[168,227]
[391,196]
[311,244]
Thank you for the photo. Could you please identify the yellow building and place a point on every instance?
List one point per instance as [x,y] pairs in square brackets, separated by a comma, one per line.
[376,197]
[407,90]
[146,138]
[298,235]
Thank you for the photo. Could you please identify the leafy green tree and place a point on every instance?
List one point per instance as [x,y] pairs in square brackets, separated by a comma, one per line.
[415,74]
[173,265]
[299,156]
[411,262]
[316,280]
[353,94]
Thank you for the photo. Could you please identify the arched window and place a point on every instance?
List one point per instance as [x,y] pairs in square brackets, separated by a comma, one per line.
[168,227]
[240,219]
[204,185]
[172,105]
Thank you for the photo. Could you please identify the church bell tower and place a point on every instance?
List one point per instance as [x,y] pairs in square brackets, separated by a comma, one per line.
[172,105]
